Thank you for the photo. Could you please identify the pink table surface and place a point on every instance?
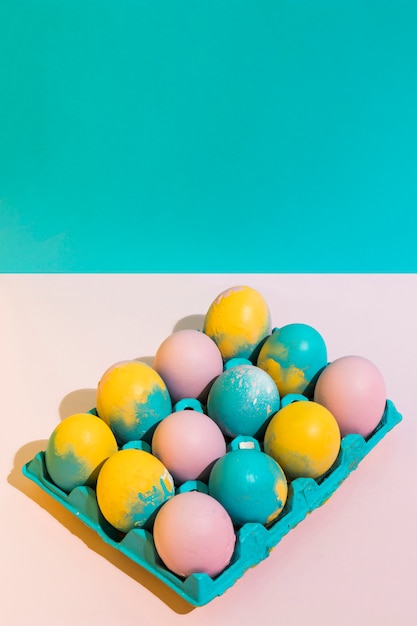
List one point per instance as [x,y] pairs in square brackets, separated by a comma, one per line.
[353,561]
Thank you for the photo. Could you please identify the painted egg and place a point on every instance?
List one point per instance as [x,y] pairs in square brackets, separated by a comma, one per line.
[249,484]
[304,439]
[242,400]
[188,361]
[193,533]
[132,398]
[294,356]
[353,389]
[131,486]
[188,443]
[76,450]
[238,321]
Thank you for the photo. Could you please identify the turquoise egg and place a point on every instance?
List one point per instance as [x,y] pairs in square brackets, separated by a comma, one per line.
[242,400]
[249,484]
[294,357]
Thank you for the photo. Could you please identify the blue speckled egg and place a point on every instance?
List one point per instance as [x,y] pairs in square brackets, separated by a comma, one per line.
[294,356]
[242,400]
[249,484]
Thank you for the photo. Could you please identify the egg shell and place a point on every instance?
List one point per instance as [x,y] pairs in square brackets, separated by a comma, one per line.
[188,361]
[238,321]
[193,533]
[131,486]
[76,450]
[353,389]
[188,443]
[242,400]
[293,356]
[250,485]
[304,438]
[132,398]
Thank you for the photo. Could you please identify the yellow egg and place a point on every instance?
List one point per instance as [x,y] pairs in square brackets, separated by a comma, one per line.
[304,438]
[131,486]
[76,450]
[132,399]
[238,320]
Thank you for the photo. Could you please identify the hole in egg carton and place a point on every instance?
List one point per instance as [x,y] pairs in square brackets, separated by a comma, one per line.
[189,404]
[246,445]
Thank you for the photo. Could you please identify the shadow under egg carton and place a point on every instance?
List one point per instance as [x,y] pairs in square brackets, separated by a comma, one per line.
[254,542]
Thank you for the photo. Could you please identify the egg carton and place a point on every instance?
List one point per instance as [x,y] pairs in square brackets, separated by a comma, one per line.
[254,542]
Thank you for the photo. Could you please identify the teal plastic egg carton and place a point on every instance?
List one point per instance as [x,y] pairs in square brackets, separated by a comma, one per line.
[254,542]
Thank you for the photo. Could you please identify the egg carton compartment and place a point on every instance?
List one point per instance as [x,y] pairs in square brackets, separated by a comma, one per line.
[254,542]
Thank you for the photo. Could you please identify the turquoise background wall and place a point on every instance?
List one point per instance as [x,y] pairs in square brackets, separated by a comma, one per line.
[208,135]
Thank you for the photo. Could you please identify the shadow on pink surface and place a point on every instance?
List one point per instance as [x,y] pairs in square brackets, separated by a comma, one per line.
[87,535]
[78,401]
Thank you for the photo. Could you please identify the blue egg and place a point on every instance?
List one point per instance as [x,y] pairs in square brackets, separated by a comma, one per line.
[242,400]
[294,357]
[249,484]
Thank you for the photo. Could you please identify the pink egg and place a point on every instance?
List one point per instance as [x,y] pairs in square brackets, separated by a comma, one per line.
[188,443]
[353,390]
[194,533]
[188,361]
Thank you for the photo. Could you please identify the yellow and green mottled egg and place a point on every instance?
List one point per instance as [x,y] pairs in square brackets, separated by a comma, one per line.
[294,357]
[304,438]
[76,450]
[132,399]
[238,320]
[131,486]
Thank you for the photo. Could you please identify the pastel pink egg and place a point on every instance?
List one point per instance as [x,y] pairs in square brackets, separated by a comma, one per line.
[188,443]
[188,361]
[353,390]
[193,533]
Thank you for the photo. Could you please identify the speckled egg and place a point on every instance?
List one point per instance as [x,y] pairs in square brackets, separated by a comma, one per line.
[76,450]
[242,400]
[188,361]
[249,484]
[132,398]
[193,533]
[238,320]
[304,439]
[353,389]
[188,443]
[131,486]
[293,356]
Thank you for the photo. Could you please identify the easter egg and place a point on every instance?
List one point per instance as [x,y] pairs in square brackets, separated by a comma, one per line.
[304,439]
[131,486]
[238,320]
[188,361]
[188,443]
[193,533]
[132,398]
[242,399]
[293,356]
[353,389]
[250,485]
[76,450]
